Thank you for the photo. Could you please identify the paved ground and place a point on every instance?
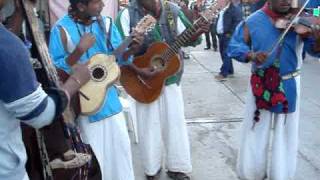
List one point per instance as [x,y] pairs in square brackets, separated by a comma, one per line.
[214,113]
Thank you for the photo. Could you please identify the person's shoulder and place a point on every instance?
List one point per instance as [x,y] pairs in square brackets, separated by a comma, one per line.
[13,53]
[9,41]
[107,20]
[257,16]
[123,12]
[63,21]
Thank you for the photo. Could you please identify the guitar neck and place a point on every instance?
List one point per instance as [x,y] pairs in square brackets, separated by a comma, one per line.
[185,36]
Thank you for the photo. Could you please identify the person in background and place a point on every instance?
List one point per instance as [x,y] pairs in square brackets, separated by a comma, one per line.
[226,23]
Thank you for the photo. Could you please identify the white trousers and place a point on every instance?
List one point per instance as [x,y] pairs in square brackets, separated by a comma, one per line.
[254,145]
[162,123]
[110,142]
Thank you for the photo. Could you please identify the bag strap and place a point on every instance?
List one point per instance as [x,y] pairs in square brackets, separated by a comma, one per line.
[108,34]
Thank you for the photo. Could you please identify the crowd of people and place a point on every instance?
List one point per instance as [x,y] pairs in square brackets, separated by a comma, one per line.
[273,95]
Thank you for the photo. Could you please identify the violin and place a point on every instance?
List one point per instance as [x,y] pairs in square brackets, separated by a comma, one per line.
[298,20]
[303,25]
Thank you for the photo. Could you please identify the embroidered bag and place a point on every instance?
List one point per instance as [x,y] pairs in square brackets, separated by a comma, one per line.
[267,88]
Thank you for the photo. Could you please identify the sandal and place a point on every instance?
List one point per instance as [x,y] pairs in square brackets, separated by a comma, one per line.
[71,160]
[178,175]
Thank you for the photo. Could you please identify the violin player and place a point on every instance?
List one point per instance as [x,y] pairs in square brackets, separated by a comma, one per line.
[274,90]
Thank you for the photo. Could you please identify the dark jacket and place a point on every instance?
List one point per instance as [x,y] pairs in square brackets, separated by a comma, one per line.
[231,18]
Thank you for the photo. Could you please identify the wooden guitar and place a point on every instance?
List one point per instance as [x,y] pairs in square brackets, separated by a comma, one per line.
[105,71]
[163,58]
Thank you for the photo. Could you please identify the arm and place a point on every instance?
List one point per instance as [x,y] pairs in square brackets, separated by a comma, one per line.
[123,23]
[20,92]
[240,49]
[116,41]
[58,48]
[239,44]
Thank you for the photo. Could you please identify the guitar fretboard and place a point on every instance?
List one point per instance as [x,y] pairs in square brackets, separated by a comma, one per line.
[187,35]
[183,39]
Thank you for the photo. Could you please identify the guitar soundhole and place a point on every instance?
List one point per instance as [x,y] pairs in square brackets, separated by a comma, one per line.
[98,73]
[158,63]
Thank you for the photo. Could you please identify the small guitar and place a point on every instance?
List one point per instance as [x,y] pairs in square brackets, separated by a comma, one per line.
[105,71]
[164,58]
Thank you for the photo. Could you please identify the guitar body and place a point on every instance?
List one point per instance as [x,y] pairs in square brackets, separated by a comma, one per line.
[104,72]
[148,90]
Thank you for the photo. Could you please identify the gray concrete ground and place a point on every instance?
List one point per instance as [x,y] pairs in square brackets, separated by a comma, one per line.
[214,113]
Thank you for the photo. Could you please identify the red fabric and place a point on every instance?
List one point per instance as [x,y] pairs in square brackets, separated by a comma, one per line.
[278,98]
[257,85]
[272,79]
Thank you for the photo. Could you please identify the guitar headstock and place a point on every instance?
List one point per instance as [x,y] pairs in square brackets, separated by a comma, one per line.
[145,25]
[213,11]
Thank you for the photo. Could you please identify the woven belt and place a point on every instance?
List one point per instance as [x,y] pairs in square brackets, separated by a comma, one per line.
[291,75]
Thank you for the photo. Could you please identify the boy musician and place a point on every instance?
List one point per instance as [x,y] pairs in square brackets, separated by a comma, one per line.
[75,38]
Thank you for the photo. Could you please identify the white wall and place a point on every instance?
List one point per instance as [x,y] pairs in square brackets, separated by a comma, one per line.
[59,8]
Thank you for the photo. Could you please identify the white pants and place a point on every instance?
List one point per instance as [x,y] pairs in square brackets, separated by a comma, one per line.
[110,142]
[253,154]
[26,177]
[164,121]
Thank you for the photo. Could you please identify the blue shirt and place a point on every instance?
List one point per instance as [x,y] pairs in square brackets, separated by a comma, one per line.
[75,30]
[263,35]
[313,4]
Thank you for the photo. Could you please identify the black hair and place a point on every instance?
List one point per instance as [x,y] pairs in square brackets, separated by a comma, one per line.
[73,3]
[145,2]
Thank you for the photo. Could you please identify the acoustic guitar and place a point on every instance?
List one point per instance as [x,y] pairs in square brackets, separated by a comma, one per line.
[105,71]
[164,58]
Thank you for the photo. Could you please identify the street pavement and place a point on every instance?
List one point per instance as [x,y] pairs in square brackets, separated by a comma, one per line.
[214,111]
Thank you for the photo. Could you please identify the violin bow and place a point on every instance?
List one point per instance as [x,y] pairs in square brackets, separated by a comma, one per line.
[285,32]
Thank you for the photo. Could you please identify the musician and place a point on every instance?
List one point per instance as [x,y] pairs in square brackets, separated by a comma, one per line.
[163,119]
[274,93]
[23,100]
[75,38]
